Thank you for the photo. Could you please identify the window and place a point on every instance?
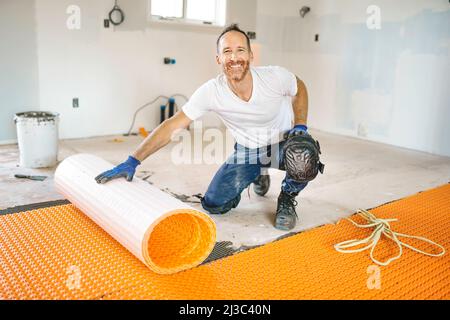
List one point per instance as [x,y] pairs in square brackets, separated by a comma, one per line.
[209,12]
[167,8]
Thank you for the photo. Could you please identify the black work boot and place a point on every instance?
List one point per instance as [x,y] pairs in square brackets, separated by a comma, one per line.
[261,184]
[286,216]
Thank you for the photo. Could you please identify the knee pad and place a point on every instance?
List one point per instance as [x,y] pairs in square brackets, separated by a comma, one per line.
[301,157]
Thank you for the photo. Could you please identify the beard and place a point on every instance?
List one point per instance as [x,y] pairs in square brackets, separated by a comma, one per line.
[239,73]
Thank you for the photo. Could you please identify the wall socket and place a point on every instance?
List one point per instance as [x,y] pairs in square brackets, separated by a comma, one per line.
[75,103]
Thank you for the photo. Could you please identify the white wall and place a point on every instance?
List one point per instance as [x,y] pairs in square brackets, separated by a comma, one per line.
[112,71]
[19,88]
[388,85]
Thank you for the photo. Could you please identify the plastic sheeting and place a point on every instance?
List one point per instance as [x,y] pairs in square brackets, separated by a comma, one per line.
[161,231]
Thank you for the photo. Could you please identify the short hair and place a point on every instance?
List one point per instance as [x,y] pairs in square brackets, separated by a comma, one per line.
[233,27]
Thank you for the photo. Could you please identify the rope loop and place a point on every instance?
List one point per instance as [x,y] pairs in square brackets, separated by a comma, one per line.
[382,227]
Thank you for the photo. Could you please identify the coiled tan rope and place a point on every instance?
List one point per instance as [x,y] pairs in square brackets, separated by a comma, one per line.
[381,226]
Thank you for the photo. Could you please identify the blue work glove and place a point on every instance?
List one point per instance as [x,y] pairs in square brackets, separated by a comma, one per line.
[126,169]
[297,129]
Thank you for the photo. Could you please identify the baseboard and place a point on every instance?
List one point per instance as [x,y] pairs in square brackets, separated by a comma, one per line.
[4,142]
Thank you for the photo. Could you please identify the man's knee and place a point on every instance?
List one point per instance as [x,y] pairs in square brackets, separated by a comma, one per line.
[219,205]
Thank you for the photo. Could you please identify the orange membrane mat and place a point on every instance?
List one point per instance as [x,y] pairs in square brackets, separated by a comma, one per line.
[59,253]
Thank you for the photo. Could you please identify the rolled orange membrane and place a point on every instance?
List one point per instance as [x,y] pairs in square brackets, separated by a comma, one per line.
[161,231]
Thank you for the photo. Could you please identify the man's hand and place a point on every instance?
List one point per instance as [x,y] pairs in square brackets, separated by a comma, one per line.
[157,139]
[297,129]
[125,169]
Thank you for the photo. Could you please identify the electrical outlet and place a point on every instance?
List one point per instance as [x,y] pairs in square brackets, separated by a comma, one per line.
[75,103]
[106,23]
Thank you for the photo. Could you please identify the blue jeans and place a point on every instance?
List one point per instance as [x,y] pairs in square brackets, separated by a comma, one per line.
[239,171]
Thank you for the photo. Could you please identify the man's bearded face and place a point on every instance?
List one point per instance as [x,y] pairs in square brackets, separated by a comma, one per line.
[234,55]
[236,70]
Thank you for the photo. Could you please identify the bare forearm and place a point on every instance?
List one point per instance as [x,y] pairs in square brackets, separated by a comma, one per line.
[160,136]
[300,104]
[155,141]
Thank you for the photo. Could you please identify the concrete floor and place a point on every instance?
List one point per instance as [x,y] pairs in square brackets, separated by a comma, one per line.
[358,174]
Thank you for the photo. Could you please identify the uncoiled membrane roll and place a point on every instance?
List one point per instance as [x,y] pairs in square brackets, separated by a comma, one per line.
[161,231]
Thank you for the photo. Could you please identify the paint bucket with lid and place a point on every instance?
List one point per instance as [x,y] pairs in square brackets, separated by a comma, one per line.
[37,136]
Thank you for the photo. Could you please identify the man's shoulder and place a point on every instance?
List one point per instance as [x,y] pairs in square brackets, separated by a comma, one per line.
[276,78]
[269,70]
[209,88]
[214,84]
[271,75]
[211,84]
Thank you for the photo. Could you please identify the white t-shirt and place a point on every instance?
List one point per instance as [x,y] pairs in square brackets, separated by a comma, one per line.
[259,122]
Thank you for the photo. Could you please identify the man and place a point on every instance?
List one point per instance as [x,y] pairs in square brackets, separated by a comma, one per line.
[259,105]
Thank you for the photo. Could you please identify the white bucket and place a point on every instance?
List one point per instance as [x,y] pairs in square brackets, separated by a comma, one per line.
[37,136]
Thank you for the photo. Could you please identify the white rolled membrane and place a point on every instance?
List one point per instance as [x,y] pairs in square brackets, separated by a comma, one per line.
[160,230]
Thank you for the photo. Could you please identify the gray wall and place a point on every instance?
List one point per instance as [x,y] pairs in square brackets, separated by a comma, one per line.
[388,85]
[19,88]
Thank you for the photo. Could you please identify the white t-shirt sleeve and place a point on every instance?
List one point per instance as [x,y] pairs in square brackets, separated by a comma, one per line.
[287,81]
[200,102]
